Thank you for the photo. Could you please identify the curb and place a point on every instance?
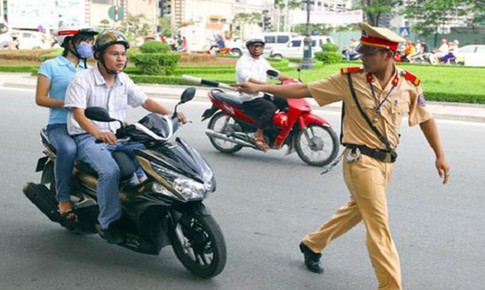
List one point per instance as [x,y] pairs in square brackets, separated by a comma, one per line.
[442,111]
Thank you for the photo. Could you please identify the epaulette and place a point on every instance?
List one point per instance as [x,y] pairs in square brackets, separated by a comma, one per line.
[410,77]
[347,70]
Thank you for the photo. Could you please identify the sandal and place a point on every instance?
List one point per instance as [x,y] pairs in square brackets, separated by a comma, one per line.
[69,215]
[261,144]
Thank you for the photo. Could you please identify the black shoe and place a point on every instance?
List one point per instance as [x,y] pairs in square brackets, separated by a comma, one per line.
[112,234]
[312,260]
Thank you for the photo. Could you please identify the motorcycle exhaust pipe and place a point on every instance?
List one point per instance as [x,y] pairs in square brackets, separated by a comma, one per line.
[213,134]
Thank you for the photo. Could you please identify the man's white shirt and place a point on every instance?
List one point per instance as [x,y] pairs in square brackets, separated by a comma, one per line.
[88,89]
[249,67]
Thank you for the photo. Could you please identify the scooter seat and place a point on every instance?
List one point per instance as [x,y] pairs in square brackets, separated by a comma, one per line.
[127,168]
[126,165]
[45,140]
[232,99]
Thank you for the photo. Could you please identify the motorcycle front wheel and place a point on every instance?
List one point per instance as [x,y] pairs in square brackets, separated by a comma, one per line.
[199,244]
[317,145]
[223,124]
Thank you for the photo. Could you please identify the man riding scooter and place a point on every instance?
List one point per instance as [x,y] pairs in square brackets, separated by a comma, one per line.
[252,67]
[107,86]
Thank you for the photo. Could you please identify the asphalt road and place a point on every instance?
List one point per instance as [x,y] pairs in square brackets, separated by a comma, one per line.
[265,203]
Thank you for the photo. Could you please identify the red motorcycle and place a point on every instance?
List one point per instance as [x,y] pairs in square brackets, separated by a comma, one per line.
[230,128]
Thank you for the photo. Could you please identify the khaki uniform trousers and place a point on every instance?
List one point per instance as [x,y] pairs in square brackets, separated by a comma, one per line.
[367,180]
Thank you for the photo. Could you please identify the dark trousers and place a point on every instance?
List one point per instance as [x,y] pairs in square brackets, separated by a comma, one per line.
[280,102]
[262,110]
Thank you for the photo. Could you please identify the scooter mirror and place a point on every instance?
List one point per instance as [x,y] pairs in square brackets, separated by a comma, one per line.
[272,73]
[98,114]
[187,95]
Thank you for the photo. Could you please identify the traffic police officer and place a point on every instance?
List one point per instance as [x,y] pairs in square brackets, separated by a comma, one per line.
[375,98]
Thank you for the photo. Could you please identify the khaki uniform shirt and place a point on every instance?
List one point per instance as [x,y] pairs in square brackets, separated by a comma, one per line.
[404,97]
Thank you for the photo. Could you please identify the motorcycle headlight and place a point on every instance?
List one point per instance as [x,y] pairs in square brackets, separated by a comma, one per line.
[186,187]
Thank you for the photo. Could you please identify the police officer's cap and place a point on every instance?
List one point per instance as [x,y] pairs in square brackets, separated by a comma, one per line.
[378,37]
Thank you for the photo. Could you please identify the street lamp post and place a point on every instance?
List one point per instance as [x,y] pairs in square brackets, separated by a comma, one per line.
[307,51]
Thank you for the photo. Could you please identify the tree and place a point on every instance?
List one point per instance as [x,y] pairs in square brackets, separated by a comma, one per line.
[241,18]
[429,16]
[165,26]
[132,26]
[279,5]
[322,29]
[373,9]
[104,24]
[478,10]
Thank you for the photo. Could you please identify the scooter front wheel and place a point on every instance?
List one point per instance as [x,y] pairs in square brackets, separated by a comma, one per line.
[225,125]
[317,145]
[199,244]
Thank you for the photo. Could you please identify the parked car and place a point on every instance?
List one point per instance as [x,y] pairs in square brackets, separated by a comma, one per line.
[31,39]
[271,39]
[294,48]
[471,55]
[5,37]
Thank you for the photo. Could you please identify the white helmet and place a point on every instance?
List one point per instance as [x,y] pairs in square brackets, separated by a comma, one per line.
[254,39]
[67,32]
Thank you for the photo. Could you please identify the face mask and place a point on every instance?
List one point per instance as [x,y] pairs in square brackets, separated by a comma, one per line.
[85,50]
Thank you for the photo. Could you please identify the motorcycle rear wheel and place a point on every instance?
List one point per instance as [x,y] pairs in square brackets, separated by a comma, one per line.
[317,145]
[199,244]
[223,124]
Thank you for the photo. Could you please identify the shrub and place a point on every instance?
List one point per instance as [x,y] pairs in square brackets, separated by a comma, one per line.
[328,56]
[21,68]
[52,54]
[156,63]
[155,47]
[332,47]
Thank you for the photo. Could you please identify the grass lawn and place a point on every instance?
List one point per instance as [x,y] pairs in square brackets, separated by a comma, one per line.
[450,83]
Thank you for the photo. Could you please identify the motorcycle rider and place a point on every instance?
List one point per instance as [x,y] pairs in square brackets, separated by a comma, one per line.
[52,81]
[106,85]
[252,67]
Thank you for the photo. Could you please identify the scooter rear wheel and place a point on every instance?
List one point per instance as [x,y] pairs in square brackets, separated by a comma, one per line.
[223,124]
[199,244]
[317,145]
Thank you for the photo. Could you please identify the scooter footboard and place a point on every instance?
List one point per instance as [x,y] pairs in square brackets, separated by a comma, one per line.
[44,199]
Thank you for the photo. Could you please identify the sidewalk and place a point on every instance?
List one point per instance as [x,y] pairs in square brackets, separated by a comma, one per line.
[446,111]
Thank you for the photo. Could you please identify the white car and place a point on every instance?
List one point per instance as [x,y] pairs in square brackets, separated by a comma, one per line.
[471,55]
[31,39]
[271,39]
[295,47]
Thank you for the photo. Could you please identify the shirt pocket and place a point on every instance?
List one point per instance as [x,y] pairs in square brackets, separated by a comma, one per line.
[118,99]
[400,104]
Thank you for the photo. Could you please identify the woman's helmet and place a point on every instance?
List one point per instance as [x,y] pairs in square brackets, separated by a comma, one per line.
[108,38]
[67,32]
[254,39]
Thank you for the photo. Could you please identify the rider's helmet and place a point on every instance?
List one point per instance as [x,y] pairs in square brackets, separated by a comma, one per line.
[254,39]
[107,38]
[67,32]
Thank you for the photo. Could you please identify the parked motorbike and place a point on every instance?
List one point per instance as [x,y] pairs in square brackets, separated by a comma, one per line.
[230,128]
[166,209]
[352,55]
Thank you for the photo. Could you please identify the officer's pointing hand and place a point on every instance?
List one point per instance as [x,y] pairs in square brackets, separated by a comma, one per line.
[246,87]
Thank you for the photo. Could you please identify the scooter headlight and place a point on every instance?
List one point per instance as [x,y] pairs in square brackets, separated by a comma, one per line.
[186,187]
